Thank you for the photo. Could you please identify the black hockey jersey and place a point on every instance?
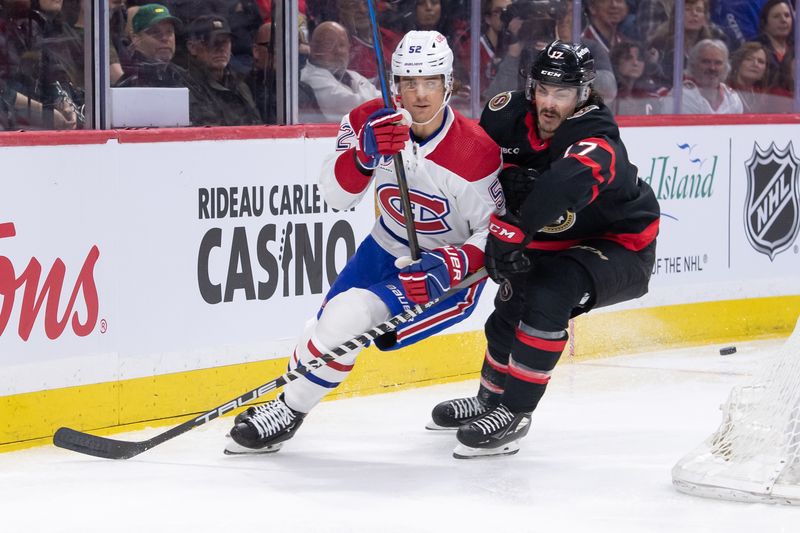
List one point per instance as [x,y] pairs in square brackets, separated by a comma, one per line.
[587,189]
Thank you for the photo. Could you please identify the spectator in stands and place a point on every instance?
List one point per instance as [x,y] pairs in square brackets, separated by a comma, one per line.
[354,16]
[217,95]
[738,19]
[650,15]
[20,111]
[697,26]
[153,40]
[637,93]
[703,89]
[748,76]
[261,81]
[337,89]
[557,24]
[605,16]
[776,25]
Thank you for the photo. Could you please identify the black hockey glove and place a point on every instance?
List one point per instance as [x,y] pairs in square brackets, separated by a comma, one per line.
[505,248]
[517,182]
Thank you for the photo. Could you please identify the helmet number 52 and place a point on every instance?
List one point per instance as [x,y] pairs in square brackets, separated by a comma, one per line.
[414,49]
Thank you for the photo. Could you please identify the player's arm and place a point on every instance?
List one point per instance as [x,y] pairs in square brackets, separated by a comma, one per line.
[368,136]
[440,269]
[571,183]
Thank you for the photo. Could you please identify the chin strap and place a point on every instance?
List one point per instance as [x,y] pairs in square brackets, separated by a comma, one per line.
[444,104]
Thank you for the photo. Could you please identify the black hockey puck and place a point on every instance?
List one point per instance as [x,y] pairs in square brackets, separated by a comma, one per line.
[728,350]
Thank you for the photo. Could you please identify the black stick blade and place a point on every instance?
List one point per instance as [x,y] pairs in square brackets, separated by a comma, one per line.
[80,442]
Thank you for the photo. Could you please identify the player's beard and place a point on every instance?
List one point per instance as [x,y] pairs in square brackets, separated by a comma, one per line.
[548,124]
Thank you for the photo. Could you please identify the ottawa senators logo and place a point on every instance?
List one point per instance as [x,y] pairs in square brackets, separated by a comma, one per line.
[562,223]
[500,101]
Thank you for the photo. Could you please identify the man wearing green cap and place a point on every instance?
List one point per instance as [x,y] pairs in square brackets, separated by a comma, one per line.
[154,47]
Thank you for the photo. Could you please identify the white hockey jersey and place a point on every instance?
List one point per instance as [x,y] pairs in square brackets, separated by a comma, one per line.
[452,182]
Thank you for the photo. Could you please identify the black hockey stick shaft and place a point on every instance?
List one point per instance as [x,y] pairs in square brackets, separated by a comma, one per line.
[107,448]
[399,168]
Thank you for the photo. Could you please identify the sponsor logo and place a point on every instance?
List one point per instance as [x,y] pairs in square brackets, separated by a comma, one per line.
[562,223]
[430,212]
[502,232]
[514,151]
[550,73]
[582,52]
[771,211]
[500,101]
[259,261]
[689,175]
[47,297]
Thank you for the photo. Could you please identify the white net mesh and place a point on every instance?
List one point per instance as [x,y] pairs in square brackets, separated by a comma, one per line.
[755,453]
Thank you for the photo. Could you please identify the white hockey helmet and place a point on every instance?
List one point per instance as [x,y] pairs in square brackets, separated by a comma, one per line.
[423,53]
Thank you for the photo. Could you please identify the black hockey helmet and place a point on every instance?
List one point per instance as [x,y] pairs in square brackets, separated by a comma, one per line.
[567,64]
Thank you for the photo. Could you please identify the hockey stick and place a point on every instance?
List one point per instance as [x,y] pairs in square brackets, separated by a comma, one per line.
[399,168]
[106,448]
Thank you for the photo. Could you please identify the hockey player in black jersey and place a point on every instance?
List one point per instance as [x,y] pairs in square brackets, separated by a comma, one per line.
[580,233]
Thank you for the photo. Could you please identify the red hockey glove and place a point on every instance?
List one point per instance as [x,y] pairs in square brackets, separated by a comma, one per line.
[505,248]
[433,275]
[384,134]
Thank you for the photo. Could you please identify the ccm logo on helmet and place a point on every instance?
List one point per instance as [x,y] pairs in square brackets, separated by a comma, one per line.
[551,73]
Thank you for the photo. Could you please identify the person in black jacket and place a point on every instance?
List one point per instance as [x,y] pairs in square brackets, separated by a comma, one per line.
[579,233]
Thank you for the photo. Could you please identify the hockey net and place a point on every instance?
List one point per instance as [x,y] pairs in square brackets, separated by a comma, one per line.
[755,453]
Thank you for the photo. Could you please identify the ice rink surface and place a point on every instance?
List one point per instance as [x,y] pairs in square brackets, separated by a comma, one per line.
[597,459]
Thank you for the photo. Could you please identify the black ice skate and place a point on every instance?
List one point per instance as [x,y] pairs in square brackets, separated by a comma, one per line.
[453,414]
[266,430]
[496,432]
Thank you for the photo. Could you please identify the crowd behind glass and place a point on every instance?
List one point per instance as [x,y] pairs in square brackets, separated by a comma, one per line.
[735,56]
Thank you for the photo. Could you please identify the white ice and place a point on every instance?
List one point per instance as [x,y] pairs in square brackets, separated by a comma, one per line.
[597,459]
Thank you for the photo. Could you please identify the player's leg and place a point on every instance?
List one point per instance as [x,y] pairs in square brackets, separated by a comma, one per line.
[499,329]
[277,421]
[556,287]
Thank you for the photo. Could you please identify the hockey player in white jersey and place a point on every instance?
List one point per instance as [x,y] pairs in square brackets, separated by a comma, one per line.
[451,167]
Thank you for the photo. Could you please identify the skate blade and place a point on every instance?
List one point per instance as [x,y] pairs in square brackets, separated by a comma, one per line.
[234,448]
[433,426]
[465,452]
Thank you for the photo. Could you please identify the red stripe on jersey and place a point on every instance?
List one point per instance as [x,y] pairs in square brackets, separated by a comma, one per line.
[553,246]
[541,344]
[636,241]
[533,137]
[531,376]
[430,322]
[333,364]
[494,364]
[474,257]
[467,150]
[347,174]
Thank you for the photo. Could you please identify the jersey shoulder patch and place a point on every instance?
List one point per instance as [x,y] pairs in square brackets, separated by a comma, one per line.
[467,150]
[499,101]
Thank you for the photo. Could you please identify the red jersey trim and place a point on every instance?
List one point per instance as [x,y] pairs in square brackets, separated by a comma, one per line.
[467,150]
[349,177]
[533,136]
[636,241]
[332,364]
[475,258]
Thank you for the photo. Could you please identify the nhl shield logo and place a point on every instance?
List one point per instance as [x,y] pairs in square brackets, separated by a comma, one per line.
[772,209]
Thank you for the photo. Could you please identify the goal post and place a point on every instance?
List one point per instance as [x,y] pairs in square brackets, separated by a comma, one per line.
[754,455]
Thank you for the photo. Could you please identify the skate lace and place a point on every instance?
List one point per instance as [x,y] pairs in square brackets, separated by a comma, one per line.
[467,407]
[494,420]
[271,418]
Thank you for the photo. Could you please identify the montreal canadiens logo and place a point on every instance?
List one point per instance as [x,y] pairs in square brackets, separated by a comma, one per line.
[772,208]
[430,212]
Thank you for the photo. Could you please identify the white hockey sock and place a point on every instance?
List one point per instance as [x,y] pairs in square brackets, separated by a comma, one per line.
[347,315]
